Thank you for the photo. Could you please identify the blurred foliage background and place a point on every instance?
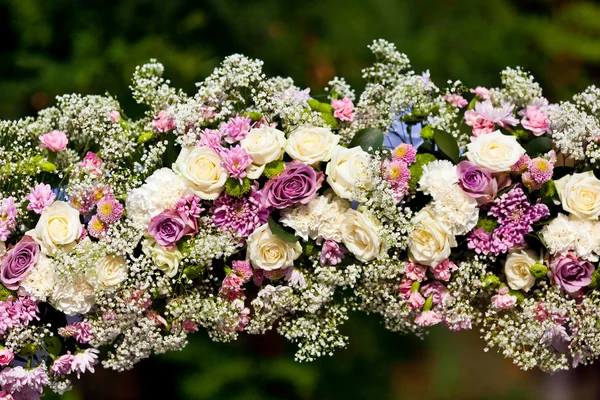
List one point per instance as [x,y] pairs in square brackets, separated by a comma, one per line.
[92,46]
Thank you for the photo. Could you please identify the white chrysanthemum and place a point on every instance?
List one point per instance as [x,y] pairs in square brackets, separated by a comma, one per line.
[40,281]
[566,234]
[162,190]
[587,242]
[437,175]
[73,295]
[452,207]
[319,219]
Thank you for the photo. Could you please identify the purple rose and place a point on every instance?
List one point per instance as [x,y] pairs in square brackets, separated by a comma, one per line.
[168,227]
[298,183]
[18,261]
[571,273]
[477,182]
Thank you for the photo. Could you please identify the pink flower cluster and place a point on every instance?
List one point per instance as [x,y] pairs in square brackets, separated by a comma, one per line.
[236,129]
[456,100]
[81,331]
[231,288]
[535,172]
[235,161]
[331,253]
[163,122]
[242,215]
[22,383]
[41,196]
[108,211]
[503,300]
[343,109]
[91,164]
[484,118]
[16,312]
[535,120]
[54,141]
[396,172]
[79,362]
[8,217]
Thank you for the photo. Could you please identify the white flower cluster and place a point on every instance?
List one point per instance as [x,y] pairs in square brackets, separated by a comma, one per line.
[564,234]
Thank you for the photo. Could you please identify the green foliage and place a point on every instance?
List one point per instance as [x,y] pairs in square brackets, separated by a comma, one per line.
[274,168]
[280,231]
[5,292]
[416,169]
[539,145]
[538,270]
[235,188]
[447,144]
[487,223]
[369,139]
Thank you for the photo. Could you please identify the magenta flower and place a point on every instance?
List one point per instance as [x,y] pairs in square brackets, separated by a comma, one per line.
[54,141]
[63,365]
[539,172]
[236,129]
[522,165]
[168,227]
[6,356]
[236,160]
[190,206]
[479,241]
[211,138]
[189,326]
[331,253]
[242,214]
[18,261]
[343,109]
[298,183]
[163,122]
[535,120]
[41,196]
[437,291]
[571,273]
[477,182]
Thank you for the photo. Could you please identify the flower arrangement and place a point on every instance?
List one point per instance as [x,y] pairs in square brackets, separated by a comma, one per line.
[253,206]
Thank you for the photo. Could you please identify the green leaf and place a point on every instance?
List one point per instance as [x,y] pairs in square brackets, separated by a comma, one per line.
[171,152]
[539,145]
[447,144]
[280,231]
[53,345]
[368,138]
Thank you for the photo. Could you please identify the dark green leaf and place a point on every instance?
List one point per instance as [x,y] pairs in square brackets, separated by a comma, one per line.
[280,231]
[539,145]
[53,345]
[447,144]
[368,138]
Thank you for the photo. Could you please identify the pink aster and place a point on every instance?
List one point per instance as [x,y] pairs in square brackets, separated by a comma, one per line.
[236,129]
[343,109]
[541,170]
[235,161]
[8,217]
[405,152]
[211,138]
[97,228]
[331,253]
[503,300]
[535,121]
[92,164]
[81,331]
[242,214]
[456,100]
[428,318]
[54,141]
[40,197]
[85,360]
[242,269]
[163,122]
[63,365]
[109,210]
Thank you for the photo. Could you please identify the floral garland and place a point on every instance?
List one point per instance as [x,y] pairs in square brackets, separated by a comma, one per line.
[251,206]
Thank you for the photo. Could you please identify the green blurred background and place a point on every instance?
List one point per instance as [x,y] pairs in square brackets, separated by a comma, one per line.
[51,47]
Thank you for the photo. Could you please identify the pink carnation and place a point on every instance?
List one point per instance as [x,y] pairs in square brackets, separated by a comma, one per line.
[535,120]
[503,300]
[343,109]
[41,196]
[115,116]
[443,270]
[456,100]
[92,164]
[415,300]
[415,272]
[162,122]
[428,318]
[55,141]
[437,291]
[481,92]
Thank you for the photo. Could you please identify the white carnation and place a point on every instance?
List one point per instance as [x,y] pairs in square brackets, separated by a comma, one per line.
[40,281]
[161,191]
[73,295]
[564,234]
[452,207]
[437,176]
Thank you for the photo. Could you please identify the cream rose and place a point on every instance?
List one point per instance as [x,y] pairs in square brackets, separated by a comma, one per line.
[201,168]
[269,252]
[311,145]
[345,169]
[264,144]
[165,260]
[360,236]
[495,151]
[516,269]
[58,228]
[430,241]
[580,195]
[111,271]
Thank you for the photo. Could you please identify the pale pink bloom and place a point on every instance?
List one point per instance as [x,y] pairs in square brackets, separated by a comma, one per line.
[502,116]
[41,196]
[92,164]
[437,291]
[415,272]
[343,109]
[236,129]
[480,125]
[332,253]
[235,161]
[81,331]
[416,300]
[6,356]
[211,138]
[481,92]
[503,300]
[163,122]
[405,152]
[63,365]
[405,287]
[535,120]
[55,141]
[443,270]
[428,318]
[456,100]
[85,361]
[189,326]
[115,116]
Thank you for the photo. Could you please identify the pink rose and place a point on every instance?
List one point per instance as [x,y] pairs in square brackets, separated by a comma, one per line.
[55,141]
[428,318]
[6,356]
[535,121]
[343,109]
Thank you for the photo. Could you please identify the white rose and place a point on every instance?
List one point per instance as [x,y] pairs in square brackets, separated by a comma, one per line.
[58,228]
[111,271]
[269,252]
[312,145]
[201,168]
[360,236]
[264,144]
[516,269]
[346,167]
[580,194]
[430,241]
[165,260]
[495,151]
[40,281]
